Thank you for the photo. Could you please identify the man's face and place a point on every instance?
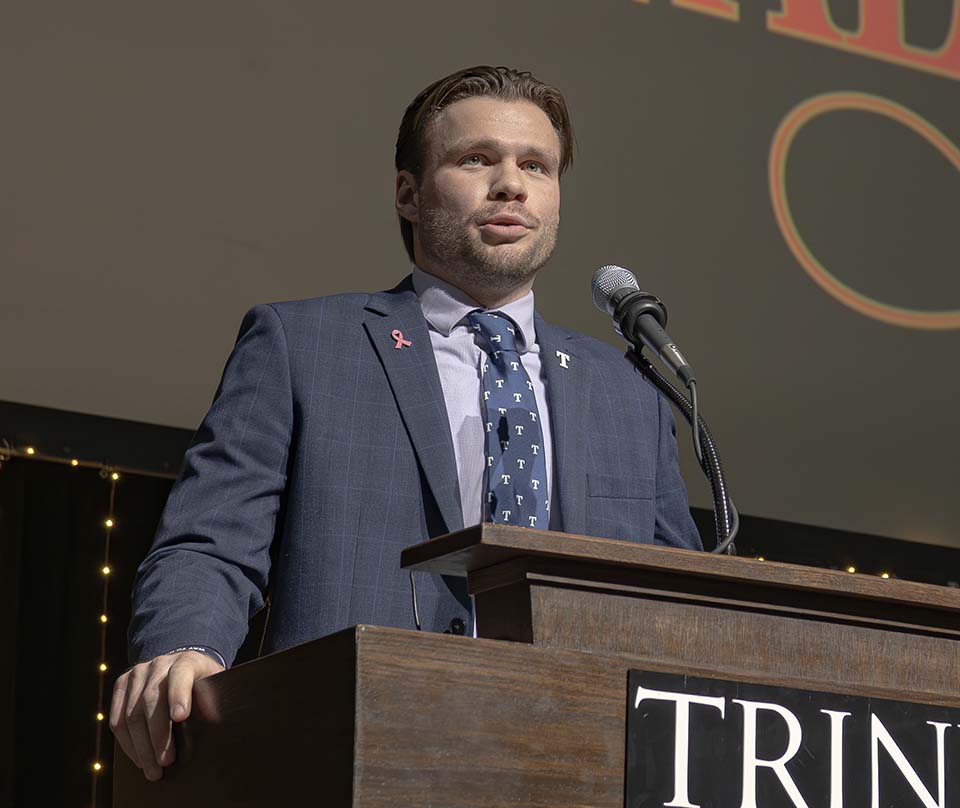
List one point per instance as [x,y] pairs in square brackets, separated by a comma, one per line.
[487,209]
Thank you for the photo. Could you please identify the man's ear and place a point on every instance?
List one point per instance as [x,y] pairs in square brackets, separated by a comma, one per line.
[407,199]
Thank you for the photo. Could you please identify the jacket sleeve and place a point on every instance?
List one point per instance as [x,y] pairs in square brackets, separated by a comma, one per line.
[674,526]
[206,574]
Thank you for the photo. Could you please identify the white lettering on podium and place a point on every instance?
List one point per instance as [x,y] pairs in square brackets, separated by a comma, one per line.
[681,738]
[816,779]
[836,756]
[879,735]
[779,766]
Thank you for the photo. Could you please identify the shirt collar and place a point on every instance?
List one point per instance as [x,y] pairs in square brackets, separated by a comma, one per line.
[444,307]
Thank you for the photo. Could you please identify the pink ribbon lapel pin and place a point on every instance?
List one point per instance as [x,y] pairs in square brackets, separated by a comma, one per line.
[397,334]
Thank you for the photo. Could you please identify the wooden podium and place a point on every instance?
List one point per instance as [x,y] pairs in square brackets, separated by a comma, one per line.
[533,713]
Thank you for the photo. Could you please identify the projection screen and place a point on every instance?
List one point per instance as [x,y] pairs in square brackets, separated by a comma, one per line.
[785,176]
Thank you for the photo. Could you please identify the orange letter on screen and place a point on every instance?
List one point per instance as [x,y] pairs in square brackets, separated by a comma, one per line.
[718,8]
[807,19]
[727,9]
[880,35]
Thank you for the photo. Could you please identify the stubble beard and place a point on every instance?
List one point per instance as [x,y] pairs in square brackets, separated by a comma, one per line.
[456,245]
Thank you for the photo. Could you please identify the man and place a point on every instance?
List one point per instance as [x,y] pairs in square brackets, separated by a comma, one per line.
[349,427]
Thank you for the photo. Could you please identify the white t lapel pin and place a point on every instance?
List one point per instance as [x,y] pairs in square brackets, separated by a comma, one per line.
[564,359]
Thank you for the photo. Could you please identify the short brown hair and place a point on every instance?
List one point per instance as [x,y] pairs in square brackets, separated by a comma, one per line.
[502,82]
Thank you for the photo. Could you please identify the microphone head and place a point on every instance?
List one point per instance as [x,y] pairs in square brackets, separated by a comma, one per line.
[606,281]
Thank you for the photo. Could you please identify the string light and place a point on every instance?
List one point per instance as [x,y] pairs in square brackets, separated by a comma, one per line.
[851,569]
[761,558]
[111,476]
[884,575]
[107,472]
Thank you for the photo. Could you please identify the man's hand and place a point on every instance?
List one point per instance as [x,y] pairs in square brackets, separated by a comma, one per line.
[147,698]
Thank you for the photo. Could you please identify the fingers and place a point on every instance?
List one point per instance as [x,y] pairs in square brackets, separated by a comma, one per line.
[118,723]
[128,720]
[174,703]
[156,712]
[180,688]
[147,697]
[185,671]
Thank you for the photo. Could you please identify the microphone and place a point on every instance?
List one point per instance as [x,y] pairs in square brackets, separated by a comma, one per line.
[638,316]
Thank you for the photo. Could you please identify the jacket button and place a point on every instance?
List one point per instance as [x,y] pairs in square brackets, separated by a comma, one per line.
[457,626]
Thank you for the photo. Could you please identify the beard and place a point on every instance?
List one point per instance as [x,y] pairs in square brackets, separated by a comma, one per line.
[457,245]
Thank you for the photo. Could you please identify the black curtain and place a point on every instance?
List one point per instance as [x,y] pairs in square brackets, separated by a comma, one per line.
[51,552]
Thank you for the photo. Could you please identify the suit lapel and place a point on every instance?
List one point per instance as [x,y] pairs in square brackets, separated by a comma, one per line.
[568,382]
[413,376]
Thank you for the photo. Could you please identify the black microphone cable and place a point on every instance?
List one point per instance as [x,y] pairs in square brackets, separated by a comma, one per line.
[640,318]
[725,515]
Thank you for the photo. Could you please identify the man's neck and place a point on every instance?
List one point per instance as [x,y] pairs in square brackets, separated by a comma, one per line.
[485,296]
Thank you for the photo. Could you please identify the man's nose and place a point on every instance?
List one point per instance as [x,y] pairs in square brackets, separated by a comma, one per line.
[508,185]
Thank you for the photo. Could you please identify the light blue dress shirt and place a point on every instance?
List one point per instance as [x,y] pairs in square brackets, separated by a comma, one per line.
[458,356]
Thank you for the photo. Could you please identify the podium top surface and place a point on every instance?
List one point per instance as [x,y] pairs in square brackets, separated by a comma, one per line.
[486,545]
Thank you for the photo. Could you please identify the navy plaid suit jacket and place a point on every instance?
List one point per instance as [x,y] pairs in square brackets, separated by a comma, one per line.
[326,451]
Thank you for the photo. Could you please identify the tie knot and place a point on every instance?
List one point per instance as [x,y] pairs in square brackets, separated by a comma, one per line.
[497,329]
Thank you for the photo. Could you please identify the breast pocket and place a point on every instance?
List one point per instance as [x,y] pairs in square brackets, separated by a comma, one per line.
[621,506]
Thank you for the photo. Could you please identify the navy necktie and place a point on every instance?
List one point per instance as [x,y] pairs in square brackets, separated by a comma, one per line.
[516,490]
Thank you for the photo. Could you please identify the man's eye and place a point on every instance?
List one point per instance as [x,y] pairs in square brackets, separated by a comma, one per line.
[472,160]
[532,165]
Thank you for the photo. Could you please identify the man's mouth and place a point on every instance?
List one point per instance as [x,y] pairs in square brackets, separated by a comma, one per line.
[506,220]
[505,225]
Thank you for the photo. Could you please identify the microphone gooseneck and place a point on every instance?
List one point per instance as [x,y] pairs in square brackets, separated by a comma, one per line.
[639,318]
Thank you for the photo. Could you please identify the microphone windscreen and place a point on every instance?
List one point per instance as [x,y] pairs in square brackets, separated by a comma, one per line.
[608,280]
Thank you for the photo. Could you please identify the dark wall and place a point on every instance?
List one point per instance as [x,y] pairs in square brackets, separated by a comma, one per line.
[51,527]
[52,544]
[116,442]
[813,546]
[51,550]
